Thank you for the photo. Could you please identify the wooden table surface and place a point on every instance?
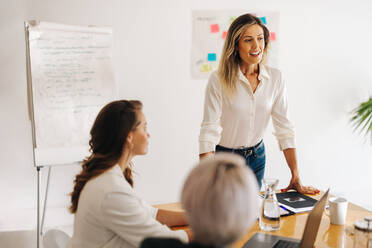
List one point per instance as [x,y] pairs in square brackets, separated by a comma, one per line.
[292,226]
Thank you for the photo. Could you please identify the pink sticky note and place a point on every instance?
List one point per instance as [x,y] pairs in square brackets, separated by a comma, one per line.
[215,28]
[272,36]
[224,34]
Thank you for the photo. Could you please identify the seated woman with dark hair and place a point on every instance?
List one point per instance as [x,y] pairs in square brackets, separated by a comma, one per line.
[108,212]
[220,197]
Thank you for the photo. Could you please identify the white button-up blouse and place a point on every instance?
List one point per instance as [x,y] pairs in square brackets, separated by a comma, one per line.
[241,121]
[111,215]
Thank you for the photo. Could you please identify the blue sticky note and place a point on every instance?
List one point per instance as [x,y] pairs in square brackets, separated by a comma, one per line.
[212,57]
[263,19]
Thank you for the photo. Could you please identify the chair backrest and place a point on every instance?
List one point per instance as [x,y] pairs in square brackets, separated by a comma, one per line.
[55,238]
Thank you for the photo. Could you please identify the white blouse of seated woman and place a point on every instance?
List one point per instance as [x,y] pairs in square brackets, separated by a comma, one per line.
[108,212]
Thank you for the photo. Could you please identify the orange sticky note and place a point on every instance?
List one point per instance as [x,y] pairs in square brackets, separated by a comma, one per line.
[272,36]
[215,28]
[224,34]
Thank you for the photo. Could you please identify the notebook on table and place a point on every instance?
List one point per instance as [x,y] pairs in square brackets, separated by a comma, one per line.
[261,240]
[296,202]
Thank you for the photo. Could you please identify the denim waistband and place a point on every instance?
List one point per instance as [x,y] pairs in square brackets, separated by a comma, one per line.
[244,150]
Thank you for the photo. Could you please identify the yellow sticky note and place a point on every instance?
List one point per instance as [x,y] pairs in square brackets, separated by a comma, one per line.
[205,68]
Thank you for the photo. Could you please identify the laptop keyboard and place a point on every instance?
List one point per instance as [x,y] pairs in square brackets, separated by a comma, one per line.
[286,244]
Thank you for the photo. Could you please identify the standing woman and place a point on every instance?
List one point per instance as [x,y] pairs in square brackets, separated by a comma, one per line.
[240,99]
[108,212]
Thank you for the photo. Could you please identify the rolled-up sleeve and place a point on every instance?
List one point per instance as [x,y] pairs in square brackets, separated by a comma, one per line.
[210,131]
[283,128]
[128,218]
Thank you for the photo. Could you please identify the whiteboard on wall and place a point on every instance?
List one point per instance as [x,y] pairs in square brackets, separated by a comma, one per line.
[70,78]
[209,30]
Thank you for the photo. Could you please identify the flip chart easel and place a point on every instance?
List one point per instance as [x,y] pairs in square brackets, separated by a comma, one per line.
[70,77]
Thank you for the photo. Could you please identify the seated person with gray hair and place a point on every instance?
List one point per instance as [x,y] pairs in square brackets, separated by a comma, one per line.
[220,197]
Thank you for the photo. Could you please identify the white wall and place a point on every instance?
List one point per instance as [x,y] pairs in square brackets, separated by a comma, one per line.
[325,55]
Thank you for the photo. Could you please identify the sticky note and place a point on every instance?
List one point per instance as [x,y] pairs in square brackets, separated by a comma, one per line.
[212,57]
[224,34]
[215,28]
[263,19]
[205,68]
[232,19]
[272,36]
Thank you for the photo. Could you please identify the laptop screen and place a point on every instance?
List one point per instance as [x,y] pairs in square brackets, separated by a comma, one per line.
[313,222]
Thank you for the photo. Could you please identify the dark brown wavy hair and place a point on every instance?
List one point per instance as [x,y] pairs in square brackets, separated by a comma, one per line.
[108,138]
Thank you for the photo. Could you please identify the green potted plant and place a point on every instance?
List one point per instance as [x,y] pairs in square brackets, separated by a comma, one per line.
[362,117]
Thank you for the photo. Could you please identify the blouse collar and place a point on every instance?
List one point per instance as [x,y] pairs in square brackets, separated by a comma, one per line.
[116,169]
[262,74]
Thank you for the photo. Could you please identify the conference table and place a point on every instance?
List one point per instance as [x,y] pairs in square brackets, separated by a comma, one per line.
[292,226]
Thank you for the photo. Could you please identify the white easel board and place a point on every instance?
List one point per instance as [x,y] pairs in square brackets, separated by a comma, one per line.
[70,78]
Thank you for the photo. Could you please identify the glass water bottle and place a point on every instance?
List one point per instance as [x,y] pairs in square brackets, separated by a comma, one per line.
[270,210]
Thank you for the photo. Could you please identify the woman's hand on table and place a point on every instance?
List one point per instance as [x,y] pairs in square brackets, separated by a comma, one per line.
[296,185]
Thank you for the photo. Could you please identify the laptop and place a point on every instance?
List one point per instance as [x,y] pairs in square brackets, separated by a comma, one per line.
[261,240]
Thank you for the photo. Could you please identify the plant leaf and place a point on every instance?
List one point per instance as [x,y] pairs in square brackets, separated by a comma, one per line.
[362,117]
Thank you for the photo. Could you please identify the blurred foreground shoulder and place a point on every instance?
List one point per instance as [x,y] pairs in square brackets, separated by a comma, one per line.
[162,242]
[169,242]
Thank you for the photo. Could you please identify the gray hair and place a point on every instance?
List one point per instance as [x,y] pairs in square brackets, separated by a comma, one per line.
[220,197]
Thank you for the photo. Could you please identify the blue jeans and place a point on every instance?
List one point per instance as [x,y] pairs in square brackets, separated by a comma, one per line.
[254,156]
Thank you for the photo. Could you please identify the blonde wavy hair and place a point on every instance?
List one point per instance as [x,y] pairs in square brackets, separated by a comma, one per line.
[230,59]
